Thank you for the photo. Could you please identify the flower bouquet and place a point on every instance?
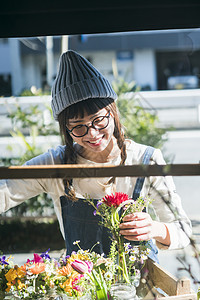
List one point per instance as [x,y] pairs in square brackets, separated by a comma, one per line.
[84,274]
[112,209]
[46,277]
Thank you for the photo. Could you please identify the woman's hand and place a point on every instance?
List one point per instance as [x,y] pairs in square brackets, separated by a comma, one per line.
[140,227]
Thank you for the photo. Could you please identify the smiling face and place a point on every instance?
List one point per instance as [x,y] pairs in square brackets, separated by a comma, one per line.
[97,140]
[97,145]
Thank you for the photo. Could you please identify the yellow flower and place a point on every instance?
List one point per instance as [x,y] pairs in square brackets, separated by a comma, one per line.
[8,286]
[20,272]
[67,286]
[11,275]
[74,256]
[9,258]
[20,285]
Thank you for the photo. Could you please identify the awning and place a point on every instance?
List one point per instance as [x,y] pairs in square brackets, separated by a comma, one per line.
[47,17]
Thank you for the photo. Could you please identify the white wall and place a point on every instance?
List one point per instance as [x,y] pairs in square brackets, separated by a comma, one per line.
[141,69]
[126,68]
[31,71]
[102,61]
[145,68]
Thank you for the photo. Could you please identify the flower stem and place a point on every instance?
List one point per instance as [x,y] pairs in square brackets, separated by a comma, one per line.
[122,261]
[101,288]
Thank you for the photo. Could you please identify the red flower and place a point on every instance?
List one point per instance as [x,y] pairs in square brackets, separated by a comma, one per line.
[115,199]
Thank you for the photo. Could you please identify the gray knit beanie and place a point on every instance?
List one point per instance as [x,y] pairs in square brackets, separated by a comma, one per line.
[77,80]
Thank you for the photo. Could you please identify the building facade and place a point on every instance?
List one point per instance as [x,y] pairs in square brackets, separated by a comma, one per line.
[155,60]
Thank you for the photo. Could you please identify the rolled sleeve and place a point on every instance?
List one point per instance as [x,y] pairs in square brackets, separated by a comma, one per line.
[14,192]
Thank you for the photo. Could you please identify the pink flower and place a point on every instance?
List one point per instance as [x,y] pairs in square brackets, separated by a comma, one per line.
[90,265]
[37,259]
[115,199]
[82,266]
[75,283]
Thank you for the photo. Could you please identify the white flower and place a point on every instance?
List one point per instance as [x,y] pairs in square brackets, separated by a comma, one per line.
[148,251]
[49,268]
[30,289]
[12,288]
[127,246]
[143,256]
[108,275]
[26,295]
[76,242]
[134,251]
[132,258]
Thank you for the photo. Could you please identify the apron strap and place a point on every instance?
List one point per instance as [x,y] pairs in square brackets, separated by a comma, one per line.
[140,180]
[136,193]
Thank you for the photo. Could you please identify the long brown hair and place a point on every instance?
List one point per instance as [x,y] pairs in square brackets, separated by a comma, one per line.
[89,106]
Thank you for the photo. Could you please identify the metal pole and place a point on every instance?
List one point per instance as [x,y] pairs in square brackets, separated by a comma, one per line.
[65,43]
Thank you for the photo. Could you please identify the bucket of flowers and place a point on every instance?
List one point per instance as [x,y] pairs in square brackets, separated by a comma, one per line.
[84,274]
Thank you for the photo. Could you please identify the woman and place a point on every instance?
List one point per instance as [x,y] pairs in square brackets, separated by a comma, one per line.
[83,102]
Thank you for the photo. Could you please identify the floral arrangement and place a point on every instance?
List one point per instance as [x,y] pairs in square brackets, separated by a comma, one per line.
[43,276]
[83,273]
[112,209]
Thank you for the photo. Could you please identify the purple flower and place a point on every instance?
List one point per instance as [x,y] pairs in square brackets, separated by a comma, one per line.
[99,203]
[56,263]
[45,255]
[3,260]
[64,259]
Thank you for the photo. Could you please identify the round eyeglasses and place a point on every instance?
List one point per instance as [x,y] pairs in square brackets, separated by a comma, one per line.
[98,123]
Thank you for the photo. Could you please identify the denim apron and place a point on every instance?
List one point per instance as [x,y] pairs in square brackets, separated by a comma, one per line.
[80,223]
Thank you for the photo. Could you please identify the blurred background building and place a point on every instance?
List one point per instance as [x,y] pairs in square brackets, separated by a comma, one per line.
[156,60]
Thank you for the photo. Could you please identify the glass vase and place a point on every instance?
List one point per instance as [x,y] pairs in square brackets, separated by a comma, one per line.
[135,280]
[122,291]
